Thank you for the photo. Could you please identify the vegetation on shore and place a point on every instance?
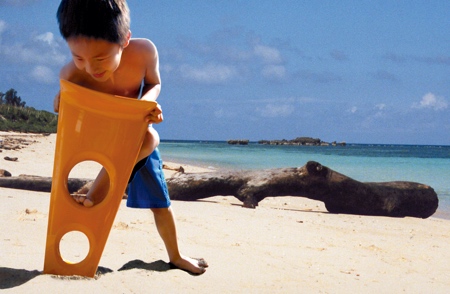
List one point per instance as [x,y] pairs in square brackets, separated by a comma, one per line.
[15,116]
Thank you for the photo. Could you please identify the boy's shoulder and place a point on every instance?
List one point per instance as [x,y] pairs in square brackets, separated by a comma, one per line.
[138,51]
[142,46]
[69,72]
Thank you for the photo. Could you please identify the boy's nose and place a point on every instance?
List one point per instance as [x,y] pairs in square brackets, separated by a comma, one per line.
[91,68]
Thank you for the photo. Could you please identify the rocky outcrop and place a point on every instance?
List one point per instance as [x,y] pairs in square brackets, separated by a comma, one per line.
[301,141]
[238,142]
[4,173]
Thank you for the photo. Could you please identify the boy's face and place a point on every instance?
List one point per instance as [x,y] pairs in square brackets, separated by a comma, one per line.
[99,58]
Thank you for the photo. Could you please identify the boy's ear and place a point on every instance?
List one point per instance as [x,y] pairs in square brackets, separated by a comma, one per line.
[127,40]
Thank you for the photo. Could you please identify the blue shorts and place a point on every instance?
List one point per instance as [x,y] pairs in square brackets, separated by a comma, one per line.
[147,187]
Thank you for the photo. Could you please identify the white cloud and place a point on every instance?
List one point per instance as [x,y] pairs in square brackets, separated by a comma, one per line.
[353,109]
[47,38]
[210,73]
[22,54]
[267,54]
[166,68]
[272,110]
[40,49]
[432,101]
[43,75]
[380,106]
[274,71]
[286,100]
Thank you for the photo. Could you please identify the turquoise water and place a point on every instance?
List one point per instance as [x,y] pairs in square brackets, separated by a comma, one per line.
[367,163]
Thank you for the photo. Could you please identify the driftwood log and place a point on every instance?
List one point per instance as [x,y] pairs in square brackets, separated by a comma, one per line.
[39,184]
[339,193]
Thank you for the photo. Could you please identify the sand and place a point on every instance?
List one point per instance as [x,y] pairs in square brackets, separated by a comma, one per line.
[286,245]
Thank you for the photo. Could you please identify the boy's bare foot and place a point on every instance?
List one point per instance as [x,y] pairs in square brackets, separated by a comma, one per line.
[82,199]
[85,198]
[195,266]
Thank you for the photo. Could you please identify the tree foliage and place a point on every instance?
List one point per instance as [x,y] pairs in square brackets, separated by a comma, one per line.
[11,98]
[14,116]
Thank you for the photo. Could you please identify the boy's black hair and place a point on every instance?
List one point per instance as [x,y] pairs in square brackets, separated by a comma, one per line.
[100,19]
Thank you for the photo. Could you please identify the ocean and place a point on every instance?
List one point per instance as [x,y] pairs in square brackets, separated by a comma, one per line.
[428,165]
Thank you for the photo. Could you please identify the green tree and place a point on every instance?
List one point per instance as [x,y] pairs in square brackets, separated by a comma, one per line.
[11,98]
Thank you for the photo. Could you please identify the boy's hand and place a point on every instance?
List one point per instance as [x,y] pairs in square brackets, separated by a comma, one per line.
[56,102]
[155,115]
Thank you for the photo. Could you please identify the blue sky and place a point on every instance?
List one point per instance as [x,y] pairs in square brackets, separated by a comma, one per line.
[354,71]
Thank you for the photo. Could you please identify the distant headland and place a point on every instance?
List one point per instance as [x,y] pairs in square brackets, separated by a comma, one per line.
[299,141]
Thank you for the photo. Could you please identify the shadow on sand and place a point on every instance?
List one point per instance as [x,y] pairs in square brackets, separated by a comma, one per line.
[10,277]
[157,266]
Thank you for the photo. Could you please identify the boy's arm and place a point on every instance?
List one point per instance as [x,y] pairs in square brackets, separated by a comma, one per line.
[56,102]
[63,74]
[152,80]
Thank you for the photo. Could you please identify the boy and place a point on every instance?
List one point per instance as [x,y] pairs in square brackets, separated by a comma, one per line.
[106,59]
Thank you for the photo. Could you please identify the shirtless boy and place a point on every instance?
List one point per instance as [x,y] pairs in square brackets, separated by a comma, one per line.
[106,59]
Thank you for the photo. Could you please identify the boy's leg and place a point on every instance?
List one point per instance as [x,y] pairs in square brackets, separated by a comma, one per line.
[165,223]
[148,189]
[97,192]
[100,187]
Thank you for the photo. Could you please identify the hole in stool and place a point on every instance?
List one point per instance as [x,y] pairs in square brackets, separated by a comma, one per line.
[89,194]
[74,247]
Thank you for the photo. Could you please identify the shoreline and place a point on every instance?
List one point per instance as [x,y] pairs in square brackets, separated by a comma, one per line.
[43,163]
[285,244]
[347,143]
[43,157]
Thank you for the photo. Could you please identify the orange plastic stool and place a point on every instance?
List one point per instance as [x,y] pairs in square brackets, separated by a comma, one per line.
[100,127]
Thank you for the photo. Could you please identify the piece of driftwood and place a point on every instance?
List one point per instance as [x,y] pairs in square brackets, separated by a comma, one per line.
[340,193]
[44,184]
[39,184]
[11,158]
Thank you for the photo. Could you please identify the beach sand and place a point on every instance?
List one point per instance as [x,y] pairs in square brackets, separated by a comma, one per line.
[285,245]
